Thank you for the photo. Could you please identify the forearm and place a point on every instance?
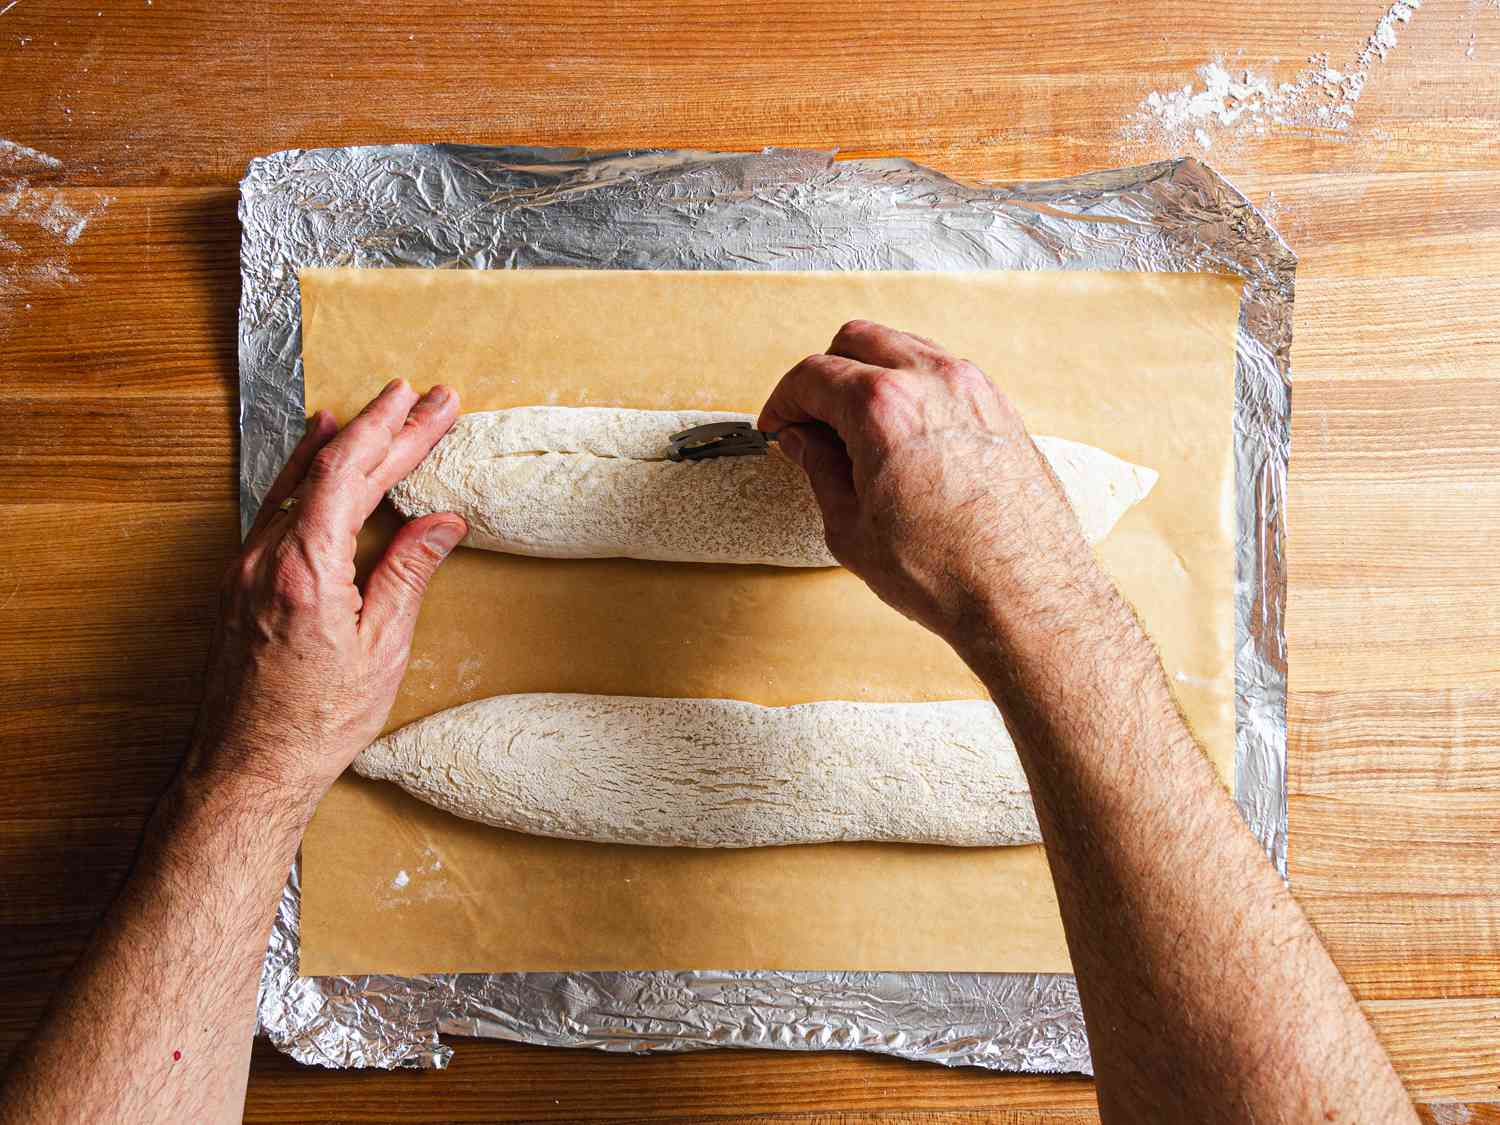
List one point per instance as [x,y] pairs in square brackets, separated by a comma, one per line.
[1209,993]
[156,1021]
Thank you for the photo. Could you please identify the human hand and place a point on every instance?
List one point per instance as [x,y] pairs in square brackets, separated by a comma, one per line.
[304,664]
[931,489]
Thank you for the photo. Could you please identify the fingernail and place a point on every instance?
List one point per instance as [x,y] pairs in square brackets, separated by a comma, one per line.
[443,537]
[438,395]
[394,384]
[791,444]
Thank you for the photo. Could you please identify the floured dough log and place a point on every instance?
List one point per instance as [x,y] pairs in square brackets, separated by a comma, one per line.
[594,482]
[717,773]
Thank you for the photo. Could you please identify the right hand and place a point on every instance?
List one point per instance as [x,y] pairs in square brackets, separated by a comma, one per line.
[931,489]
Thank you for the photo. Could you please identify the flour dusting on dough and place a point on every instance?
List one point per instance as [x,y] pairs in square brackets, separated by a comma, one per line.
[717,773]
[595,482]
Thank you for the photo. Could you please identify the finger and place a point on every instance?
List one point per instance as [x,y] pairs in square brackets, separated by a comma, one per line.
[822,388]
[429,420]
[830,472]
[393,592]
[320,428]
[336,499]
[868,342]
[364,442]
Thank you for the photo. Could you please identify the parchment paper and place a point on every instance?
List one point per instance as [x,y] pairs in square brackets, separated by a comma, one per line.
[1139,364]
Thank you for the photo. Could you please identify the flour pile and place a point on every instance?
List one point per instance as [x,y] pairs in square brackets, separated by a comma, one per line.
[1227,105]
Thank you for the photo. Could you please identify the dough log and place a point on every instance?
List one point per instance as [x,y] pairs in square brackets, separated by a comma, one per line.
[595,482]
[717,773]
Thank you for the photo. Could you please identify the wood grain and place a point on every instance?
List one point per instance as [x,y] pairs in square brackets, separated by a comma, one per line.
[1459,1113]
[1001,90]
[143,302]
[563,1085]
[569,1085]
[118,399]
[1395,475]
[1356,226]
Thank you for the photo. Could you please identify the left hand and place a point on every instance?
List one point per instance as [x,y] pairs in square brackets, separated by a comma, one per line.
[304,664]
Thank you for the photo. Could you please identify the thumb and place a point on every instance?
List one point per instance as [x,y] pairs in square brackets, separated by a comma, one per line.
[822,456]
[393,592]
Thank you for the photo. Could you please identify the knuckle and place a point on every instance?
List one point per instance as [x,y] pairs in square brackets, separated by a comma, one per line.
[240,571]
[962,372]
[816,365]
[293,577]
[868,386]
[970,385]
[412,570]
[240,576]
[882,393]
[330,461]
[965,378]
[245,571]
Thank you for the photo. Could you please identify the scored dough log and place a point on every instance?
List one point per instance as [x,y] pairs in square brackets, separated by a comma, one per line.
[717,773]
[594,482]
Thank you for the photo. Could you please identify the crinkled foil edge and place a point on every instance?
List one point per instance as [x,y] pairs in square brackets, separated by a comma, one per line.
[512,208]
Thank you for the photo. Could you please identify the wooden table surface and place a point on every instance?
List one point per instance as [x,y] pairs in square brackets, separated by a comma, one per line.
[118,290]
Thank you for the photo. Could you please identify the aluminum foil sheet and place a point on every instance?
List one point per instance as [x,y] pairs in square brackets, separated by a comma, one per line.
[526,208]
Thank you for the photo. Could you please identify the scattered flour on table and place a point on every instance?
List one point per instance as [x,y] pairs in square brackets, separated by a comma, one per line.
[1453,1113]
[1271,208]
[1228,104]
[38,227]
[16,156]
[1477,8]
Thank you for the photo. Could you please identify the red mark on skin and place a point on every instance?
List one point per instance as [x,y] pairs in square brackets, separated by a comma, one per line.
[176,1056]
